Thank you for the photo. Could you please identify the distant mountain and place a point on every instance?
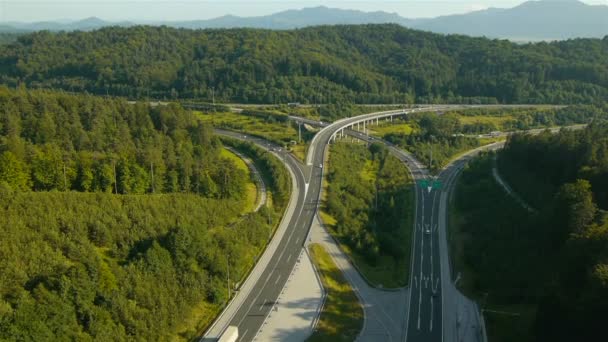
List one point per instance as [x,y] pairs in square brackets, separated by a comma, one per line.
[87,24]
[291,19]
[532,20]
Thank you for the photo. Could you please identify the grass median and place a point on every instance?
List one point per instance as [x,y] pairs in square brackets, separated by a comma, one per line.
[342,315]
[368,206]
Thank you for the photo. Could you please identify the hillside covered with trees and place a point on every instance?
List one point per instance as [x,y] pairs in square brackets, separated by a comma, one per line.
[456,131]
[371,199]
[546,268]
[120,221]
[326,64]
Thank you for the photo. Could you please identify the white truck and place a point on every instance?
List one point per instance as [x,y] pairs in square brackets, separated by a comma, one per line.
[231,334]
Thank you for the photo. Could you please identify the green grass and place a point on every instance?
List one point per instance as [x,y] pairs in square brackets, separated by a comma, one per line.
[368,174]
[386,272]
[299,151]
[496,120]
[278,132]
[390,128]
[201,316]
[281,133]
[251,190]
[342,315]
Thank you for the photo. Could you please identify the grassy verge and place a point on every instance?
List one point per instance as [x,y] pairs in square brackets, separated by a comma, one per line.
[299,151]
[385,218]
[200,318]
[396,127]
[251,190]
[283,133]
[342,315]
[275,131]
[486,279]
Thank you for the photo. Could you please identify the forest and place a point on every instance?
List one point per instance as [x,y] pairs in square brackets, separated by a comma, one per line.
[436,139]
[326,64]
[370,196]
[552,262]
[120,221]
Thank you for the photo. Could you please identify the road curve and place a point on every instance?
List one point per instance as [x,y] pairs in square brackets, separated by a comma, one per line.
[256,297]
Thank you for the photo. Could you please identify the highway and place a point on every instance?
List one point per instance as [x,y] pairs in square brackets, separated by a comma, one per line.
[437,311]
[250,313]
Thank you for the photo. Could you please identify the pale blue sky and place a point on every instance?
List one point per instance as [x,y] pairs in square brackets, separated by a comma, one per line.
[142,10]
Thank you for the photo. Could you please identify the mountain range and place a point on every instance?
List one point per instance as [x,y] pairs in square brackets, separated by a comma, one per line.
[530,21]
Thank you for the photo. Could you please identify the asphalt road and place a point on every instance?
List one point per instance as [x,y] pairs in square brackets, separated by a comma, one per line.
[430,278]
[252,312]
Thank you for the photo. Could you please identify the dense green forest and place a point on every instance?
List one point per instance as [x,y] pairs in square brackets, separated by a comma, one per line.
[6,38]
[444,136]
[55,141]
[120,221]
[370,197]
[552,262]
[326,64]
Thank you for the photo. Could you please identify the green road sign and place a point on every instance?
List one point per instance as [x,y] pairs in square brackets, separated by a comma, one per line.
[423,183]
[437,184]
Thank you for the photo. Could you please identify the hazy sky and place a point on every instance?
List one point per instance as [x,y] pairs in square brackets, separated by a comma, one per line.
[142,10]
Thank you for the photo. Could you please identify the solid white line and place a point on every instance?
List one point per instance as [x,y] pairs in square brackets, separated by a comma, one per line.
[244,334]
[421,277]
[413,255]
[431,313]
[431,253]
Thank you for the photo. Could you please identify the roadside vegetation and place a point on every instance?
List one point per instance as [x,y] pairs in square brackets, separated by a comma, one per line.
[534,271]
[121,221]
[369,208]
[250,188]
[342,315]
[494,258]
[271,125]
[437,139]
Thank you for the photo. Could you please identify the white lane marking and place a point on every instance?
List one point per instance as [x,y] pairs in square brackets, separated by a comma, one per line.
[298,240]
[421,277]
[289,239]
[418,194]
[415,281]
[432,253]
[432,215]
[431,314]
[289,258]
[436,286]
[277,281]
[262,305]
[244,334]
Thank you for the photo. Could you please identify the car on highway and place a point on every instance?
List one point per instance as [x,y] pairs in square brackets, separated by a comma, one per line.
[427,230]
